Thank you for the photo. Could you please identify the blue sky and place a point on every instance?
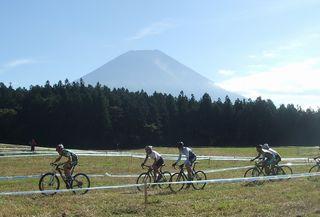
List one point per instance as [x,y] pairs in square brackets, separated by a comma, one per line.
[256,48]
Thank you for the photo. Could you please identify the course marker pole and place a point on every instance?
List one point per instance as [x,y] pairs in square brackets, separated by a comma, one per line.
[145,194]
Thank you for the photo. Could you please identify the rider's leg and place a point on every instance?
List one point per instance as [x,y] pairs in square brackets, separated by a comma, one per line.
[155,171]
[67,171]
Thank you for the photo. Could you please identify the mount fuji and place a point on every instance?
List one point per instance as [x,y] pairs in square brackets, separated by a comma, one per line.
[152,70]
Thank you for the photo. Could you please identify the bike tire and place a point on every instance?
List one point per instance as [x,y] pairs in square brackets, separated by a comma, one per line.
[199,176]
[165,178]
[314,169]
[287,170]
[53,179]
[256,173]
[280,171]
[80,180]
[248,172]
[143,177]
[177,177]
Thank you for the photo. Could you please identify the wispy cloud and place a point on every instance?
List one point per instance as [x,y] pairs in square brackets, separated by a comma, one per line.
[226,72]
[155,28]
[289,46]
[19,62]
[296,83]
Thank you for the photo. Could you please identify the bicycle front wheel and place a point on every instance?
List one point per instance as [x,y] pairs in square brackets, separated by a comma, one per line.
[248,173]
[314,169]
[177,177]
[165,178]
[49,181]
[256,173]
[287,170]
[79,181]
[143,178]
[199,176]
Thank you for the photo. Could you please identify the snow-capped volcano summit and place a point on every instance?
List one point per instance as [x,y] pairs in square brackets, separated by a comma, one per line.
[152,70]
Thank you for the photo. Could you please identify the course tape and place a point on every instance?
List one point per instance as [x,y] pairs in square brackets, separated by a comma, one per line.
[136,175]
[138,155]
[227,180]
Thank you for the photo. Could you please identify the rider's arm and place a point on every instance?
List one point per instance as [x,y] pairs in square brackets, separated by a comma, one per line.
[59,158]
[145,160]
[179,158]
[256,157]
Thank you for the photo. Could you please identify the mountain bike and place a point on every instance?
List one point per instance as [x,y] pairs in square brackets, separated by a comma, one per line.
[146,177]
[50,180]
[259,170]
[181,176]
[315,169]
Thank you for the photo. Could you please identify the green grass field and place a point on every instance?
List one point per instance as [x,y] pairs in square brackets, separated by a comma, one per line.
[299,197]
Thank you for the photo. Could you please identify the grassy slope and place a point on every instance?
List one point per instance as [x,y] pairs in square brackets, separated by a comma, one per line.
[285,198]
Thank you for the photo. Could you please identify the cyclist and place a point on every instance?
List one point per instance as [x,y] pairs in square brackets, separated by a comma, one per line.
[72,161]
[158,161]
[268,158]
[276,154]
[191,158]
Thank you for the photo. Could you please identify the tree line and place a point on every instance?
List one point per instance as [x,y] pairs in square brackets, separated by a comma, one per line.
[97,117]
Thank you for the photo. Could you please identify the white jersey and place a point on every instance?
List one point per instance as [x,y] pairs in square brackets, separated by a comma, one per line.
[186,152]
[274,152]
[268,154]
[154,155]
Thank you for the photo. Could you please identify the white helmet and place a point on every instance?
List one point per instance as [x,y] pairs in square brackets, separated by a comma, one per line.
[147,148]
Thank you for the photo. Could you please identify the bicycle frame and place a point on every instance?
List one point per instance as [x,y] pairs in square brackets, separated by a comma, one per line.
[57,168]
[151,170]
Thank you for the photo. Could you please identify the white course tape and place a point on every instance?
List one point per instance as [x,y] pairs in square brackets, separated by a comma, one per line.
[137,155]
[136,175]
[228,180]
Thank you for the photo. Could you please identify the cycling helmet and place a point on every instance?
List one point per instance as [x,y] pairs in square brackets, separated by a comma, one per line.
[148,148]
[259,146]
[180,144]
[59,147]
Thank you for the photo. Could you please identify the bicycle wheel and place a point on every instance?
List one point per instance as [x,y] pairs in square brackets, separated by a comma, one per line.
[49,181]
[199,176]
[79,181]
[256,173]
[177,177]
[248,173]
[287,170]
[165,178]
[279,171]
[314,169]
[144,177]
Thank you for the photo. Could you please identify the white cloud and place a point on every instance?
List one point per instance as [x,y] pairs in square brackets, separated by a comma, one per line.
[18,62]
[226,72]
[300,42]
[296,83]
[155,28]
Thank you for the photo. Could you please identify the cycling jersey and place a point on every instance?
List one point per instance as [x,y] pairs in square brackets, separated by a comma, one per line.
[66,153]
[268,157]
[154,155]
[191,157]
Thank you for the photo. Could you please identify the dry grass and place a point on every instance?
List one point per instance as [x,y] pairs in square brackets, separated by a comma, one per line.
[279,198]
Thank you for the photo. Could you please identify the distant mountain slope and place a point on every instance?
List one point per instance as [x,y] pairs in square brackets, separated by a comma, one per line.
[152,70]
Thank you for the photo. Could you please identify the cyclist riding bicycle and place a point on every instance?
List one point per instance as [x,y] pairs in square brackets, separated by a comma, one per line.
[158,161]
[191,158]
[268,158]
[276,154]
[72,161]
